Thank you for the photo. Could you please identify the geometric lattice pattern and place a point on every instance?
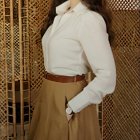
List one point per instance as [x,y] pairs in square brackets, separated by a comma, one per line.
[21,68]
[21,63]
[38,11]
[121,112]
[3,96]
[124,4]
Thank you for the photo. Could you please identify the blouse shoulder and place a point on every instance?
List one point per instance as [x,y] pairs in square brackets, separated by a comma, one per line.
[93,18]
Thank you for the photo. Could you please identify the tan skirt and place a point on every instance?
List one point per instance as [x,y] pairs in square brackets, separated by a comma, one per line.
[49,121]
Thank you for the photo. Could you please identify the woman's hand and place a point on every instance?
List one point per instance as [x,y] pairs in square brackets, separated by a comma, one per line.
[69,116]
[69,112]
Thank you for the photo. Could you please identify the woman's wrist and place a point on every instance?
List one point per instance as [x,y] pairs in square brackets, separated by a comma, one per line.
[69,110]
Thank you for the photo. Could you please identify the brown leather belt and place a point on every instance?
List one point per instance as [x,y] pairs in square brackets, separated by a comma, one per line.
[64,79]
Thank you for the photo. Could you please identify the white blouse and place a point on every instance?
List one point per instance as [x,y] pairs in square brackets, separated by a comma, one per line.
[75,41]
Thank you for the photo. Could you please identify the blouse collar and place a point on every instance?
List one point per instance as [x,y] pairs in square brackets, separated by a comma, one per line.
[62,8]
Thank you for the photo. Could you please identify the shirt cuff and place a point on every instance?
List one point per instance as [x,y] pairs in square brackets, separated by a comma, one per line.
[79,102]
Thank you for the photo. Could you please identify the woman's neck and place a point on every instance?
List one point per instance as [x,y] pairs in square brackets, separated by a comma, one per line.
[73,3]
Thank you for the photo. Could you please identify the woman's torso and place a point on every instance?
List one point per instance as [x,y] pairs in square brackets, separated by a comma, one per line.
[63,53]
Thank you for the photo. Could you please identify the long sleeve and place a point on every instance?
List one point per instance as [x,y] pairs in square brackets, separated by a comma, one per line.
[93,38]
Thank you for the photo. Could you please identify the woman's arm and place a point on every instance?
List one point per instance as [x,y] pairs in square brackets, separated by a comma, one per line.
[94,40]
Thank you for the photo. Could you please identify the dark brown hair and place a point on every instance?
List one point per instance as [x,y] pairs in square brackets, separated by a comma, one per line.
[94,5]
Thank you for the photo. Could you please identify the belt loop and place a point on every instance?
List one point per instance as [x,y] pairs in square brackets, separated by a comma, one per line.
[46,75]
[75,78]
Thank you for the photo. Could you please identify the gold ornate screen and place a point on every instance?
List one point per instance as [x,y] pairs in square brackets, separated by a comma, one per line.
[21,68]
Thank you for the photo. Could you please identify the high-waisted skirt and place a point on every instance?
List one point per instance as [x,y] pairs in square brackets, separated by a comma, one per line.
[49,120]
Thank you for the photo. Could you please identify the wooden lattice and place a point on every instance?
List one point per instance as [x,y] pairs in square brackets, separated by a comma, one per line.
[3,96]
[21,68]
[21,63]
[121,113]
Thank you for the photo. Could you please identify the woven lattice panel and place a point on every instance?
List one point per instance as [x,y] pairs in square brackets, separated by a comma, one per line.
[123,4]
[3,103]
[121,117]
[38,12]
[14,70]
[21,62]
[21,68]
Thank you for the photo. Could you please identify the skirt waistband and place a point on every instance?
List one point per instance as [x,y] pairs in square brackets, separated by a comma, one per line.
[63,78]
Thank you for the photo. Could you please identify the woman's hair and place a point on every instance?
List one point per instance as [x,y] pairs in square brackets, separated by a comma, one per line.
[94,5]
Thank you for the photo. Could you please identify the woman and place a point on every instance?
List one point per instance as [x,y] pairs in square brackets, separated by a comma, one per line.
[77,40]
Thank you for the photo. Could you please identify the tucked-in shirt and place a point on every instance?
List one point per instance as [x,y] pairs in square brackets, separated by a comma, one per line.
[76,41]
